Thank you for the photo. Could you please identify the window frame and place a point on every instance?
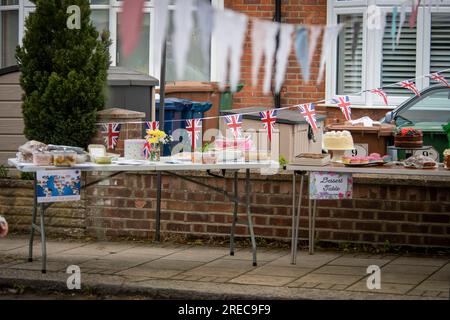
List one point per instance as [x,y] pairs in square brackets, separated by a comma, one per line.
[114,7]
[16,7]
[371,73]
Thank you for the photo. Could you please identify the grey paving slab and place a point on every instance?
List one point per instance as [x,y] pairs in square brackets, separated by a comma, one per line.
[152,250]
[415,261]
[402,278]
[37,265]
[234,264]
[275,281]
[345,270]
[149,272]
[305,260]
[287,271]
[398,268]
[434,285]
[70,259]
[116,265]
[100,248]
[392,288]
[164,263]
[51,248]
[326,278]
[11,244]
[441,275]
[216,272]
[198,254]
[359,261]
[262,255]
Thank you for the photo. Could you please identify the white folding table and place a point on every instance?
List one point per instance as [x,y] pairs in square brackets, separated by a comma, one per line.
[174,169]
[388,169]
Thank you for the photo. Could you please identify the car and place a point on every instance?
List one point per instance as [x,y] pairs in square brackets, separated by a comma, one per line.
[428,112]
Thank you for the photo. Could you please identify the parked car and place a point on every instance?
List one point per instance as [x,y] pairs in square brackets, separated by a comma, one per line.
[427,112]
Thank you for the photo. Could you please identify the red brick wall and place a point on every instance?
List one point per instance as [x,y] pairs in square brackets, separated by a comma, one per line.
[294,90]
[403,212]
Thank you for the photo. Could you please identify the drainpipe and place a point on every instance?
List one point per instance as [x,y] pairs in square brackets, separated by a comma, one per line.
[277,18]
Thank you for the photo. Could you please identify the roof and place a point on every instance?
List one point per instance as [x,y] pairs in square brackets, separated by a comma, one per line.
[119,76]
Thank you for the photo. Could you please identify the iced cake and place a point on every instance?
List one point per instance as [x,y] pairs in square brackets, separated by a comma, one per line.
[338,140]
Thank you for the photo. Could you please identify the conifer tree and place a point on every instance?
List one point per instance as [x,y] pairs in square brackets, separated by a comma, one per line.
[63,74]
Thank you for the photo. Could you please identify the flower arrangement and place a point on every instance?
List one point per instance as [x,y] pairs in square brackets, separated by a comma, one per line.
[155,139]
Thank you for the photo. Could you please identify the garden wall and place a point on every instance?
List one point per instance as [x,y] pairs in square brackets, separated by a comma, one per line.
[409,211]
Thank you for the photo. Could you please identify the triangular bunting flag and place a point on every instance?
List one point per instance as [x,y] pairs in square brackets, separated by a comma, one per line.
[268,119]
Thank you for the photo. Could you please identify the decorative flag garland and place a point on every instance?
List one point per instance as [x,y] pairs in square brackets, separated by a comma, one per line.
[112,131]
[268,119]
[234,124]
[147,149]
[152,125]
[381,93]
[308,111]
[343,102]
[410,86]
[439,78]
[193,128]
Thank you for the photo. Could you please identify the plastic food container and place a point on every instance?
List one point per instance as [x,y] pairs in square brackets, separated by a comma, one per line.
[64,158]
[103,160]
[42,158]
[209,158]
[447,159]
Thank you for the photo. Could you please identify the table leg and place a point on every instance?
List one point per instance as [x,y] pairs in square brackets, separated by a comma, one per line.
[293,246]
[297,219]
[158,208]
[235,216]
[313,225]
[309,226]
[33,221]
[43,240]
[249,215]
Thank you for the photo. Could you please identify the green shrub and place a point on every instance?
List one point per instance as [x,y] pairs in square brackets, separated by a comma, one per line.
[63,74]
[3,172]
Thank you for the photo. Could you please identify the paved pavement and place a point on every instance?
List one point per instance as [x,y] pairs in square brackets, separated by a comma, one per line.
[204,272]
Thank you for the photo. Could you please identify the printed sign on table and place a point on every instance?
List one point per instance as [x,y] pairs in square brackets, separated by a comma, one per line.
[58,185]
[330,185]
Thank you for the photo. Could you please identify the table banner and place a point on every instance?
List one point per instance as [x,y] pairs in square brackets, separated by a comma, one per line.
[58,185]
[330,185]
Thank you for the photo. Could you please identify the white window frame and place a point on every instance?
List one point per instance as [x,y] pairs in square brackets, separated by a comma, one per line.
[114,7]
[20,14]
[371,75]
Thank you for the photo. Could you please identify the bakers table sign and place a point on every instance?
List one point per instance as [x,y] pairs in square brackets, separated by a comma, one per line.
[330,185]
[58,185]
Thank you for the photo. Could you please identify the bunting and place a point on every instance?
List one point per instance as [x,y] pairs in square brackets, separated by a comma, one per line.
[301,50]
[152,125]
[184,23]
[381,93]
[268,119]
[410,86]
[194,128]
[112,131]
[234,124]
[328,41]
[343,102]
[308,111]
[284,49]
[439,78]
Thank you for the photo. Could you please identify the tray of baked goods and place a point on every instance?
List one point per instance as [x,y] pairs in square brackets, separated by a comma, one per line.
[420,162]
[312,159]
[372,160]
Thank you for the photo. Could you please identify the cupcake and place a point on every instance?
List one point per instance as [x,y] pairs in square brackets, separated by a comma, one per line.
[364,160]
[346,159]
[356,160]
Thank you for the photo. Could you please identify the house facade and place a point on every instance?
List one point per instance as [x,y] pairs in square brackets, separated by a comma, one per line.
[374,60]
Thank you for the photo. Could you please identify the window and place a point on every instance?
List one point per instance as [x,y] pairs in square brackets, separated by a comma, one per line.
[350,54]
[9,31]
[104,16]
[420,51]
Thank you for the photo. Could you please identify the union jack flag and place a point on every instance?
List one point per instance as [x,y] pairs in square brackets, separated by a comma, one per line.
[437,77]
[234,123]
[193,127]
[112,131]
[381,93]
[308,111]
[152,125]
[411,86]
[146,150]
[268,119]
[343,102]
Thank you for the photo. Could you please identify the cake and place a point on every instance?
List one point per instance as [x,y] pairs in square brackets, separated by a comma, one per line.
[408,138]
[338,140]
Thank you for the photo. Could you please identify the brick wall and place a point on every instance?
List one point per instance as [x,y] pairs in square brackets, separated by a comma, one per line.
[294,91]
[410,212]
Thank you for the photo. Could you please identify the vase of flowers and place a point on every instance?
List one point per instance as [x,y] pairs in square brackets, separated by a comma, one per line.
[155,140]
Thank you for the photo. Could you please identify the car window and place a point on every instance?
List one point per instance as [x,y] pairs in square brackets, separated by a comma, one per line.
[434,107]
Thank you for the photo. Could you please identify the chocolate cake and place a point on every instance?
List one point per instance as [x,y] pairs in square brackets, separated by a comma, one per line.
[408,138]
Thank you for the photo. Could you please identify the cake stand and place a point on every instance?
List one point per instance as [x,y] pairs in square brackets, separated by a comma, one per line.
[339,153]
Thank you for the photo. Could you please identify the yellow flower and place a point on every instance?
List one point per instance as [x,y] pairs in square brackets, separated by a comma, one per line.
[153,140]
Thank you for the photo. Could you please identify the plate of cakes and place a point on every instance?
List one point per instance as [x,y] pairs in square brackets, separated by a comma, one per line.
[374,159]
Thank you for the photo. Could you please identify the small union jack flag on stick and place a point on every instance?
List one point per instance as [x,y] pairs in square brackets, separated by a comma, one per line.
[234,124]
[410,86]
[194,128]
[308,111]
[439,78]
[112,131]
[381,93]
[146,150]
[343,102]
[268,119]
[152,125]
